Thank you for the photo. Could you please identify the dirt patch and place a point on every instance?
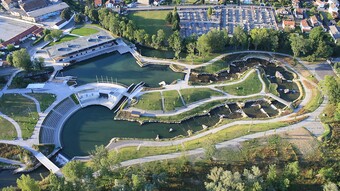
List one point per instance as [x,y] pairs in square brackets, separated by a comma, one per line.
[305,144]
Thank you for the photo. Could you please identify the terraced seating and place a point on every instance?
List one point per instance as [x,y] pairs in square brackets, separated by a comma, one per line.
[65,105]
[52,119]
[47,135]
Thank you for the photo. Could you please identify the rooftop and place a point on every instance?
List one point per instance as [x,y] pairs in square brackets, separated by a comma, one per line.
[49,9]
[304,23]
[78,44]
[334,31]
[289,23]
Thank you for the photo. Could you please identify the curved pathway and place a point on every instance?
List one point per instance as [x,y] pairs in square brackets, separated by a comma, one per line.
[15,124]
[37,104]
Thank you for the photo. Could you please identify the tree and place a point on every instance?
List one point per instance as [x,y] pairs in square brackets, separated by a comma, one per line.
[26,183]
[299,44]
[224,180]
[176,26]
[175,42]
[240,37]
[331,87]
[38,63]
[258,36]
[209,149]
[93,15]
[79,18]
[9,59]
[160,37]
[175,16]
[209,12]
[191,47]
[202,45]
[140,36]
[169,17]
[21,59]
[48,38]
[330,186]
[138,182]
[323,50]
[338,23]
[66,14]
[10,47]
[56,34]
[75,171]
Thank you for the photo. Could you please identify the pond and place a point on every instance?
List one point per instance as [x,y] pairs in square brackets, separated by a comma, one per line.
[82,130]
[122,68]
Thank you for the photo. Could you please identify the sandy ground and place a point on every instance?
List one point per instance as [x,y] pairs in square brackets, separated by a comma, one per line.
[301,138]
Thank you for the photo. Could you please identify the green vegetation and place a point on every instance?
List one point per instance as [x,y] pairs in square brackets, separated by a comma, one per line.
[22,110]
[195,94]
[151,21]
[172,100]
[3,81]
[12,152]
[44,99]
[63,39]
[84,31]
[150,101]
[128,153]
[270,87]
[7,130]
[249,86]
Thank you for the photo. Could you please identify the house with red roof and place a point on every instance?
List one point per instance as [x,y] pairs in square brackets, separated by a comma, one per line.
[304,25]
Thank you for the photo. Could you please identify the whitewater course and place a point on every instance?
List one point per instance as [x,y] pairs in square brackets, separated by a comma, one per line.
[97,103]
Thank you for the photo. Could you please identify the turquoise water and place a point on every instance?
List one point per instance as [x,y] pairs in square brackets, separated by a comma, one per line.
[122,68]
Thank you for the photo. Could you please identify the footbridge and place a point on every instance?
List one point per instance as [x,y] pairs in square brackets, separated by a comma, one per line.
[131,92]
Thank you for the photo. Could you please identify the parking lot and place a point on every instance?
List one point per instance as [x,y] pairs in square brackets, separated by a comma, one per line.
[197,21]
[10,28]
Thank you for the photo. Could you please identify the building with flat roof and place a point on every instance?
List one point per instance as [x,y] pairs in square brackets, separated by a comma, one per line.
[82,47]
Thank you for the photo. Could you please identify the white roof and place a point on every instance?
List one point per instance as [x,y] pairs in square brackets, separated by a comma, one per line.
[49,9]
[35,86]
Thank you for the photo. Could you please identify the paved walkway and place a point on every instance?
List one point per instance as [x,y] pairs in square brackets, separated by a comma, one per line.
[15,124]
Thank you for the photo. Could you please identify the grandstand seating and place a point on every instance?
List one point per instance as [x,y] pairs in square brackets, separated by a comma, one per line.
[54,119]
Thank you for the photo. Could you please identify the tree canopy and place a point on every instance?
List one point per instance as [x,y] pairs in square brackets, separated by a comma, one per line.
[21,59]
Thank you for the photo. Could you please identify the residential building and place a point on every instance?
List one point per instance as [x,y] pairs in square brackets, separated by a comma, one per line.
[110,4]
[305,26]
[335,33]
[145,2]
[296,3]
[282,11]
[320,4]
[314,21]
[98,3]
[288,24]
[298,13]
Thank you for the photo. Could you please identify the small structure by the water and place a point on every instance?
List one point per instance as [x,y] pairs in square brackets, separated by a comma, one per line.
[279,75]
[136,114]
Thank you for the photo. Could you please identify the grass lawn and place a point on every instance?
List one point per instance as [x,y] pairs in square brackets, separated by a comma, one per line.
[44,99]
[270,87]
[22,110]
[150,101]
[200,59]
[251,85]
[195,94]
[151,21]
[7,130]
[84,31]
[63,39]
[172,100]
[229,133]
